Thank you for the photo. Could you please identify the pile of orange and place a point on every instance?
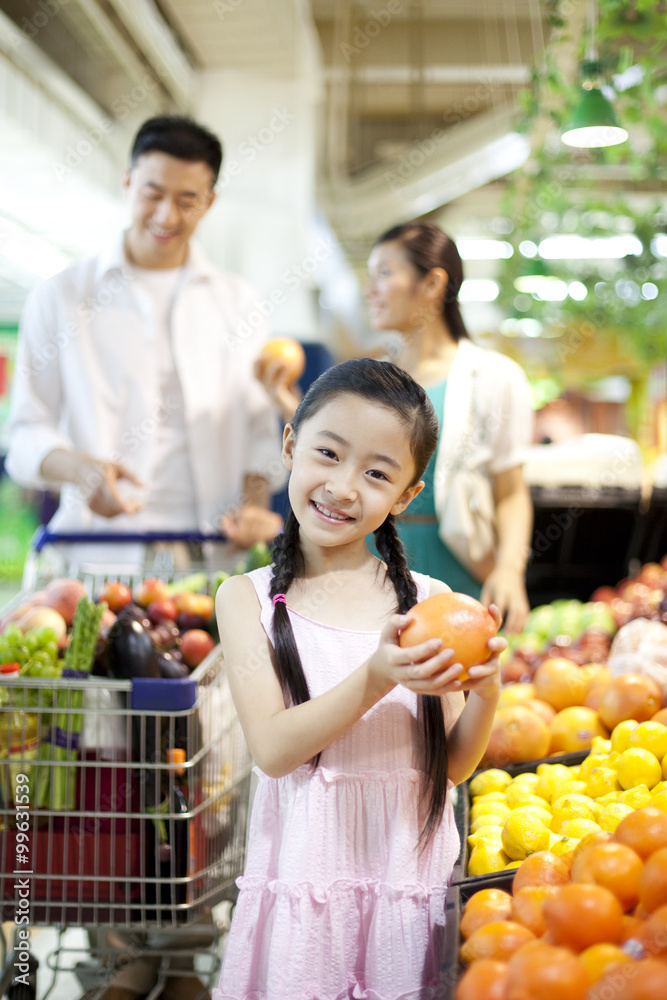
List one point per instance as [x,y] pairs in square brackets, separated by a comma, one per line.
[564,709]
[583,927]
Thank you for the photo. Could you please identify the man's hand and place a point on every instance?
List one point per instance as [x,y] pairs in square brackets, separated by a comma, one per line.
[96,479]
[251,524]
[278,381]
[104,497]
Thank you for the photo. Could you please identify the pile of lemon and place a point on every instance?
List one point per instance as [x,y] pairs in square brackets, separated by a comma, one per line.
[554,808]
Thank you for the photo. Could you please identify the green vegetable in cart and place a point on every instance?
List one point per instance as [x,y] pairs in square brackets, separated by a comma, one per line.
[54,778]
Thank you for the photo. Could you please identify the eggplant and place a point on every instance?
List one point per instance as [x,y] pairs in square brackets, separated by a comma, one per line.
[130,652]
[171,668]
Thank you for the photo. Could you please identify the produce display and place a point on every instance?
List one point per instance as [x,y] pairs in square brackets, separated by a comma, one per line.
[566,676]
[590,925]
[557,806]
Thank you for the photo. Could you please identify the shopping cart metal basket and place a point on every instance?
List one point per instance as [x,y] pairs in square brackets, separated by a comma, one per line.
[128,834]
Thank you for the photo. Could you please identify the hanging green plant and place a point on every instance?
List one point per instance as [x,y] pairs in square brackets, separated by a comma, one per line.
[598,192]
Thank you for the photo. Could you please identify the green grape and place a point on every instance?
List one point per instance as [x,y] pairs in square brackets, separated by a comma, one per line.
[51,648]
[31,642]
[42,658]
[46,635]
[13,633]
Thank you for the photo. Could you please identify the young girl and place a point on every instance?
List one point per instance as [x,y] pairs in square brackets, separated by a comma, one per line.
[352,839]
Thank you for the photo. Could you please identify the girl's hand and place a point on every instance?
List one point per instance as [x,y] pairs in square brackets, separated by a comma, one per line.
[484,679]
[424,669]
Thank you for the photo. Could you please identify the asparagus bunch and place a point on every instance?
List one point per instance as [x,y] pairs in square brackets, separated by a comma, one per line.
[55,786]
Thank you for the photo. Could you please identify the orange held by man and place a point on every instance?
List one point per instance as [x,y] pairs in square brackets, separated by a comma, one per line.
[461,622]
[289,353]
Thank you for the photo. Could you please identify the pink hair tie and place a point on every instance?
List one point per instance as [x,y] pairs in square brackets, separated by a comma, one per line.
[279,599]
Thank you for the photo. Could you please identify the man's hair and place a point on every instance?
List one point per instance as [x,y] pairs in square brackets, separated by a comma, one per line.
[181,137]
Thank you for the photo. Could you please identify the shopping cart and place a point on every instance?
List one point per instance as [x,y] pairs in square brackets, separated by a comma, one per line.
[149,840]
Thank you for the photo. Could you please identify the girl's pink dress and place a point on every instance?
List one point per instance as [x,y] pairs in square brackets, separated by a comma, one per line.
[336,902]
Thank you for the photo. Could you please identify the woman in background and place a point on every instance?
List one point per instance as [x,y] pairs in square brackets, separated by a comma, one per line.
[415,274]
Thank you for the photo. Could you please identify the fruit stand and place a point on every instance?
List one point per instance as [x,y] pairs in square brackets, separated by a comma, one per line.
[561,887]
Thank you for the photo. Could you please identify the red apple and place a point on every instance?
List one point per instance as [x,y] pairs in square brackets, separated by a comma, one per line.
[194,604]
[63,595]
[152,590]
[159,611]
[606,594]
[195,646]
[116,595]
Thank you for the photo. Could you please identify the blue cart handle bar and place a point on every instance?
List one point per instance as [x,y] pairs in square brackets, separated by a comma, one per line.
[44,537]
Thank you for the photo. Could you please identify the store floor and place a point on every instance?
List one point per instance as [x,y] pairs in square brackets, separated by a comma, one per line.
[74,949]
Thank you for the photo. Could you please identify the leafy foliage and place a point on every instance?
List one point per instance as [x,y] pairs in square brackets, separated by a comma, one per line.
[599,192]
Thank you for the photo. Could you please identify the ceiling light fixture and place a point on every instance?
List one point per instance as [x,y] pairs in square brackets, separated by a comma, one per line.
[594,122]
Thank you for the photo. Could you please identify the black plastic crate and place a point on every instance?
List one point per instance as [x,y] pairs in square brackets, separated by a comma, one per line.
[457,897]
[462,812]
[571,554]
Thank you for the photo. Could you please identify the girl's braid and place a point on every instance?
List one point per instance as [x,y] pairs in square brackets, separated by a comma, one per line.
[287,565]
[390,548]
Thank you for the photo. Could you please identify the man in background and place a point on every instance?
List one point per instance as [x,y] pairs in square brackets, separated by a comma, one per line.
[134,390]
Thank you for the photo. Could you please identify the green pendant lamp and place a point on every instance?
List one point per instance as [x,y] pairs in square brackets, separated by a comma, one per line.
[594,122]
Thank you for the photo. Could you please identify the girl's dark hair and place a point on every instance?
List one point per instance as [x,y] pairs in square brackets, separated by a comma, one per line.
[386,385]
[427,246]
[179,136]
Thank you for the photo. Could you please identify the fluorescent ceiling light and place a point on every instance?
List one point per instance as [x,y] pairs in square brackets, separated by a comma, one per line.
[484,249]
[542,286]
[659,245]
[528,248]
[577,290]
[570,246]
[523,327]
[479,290]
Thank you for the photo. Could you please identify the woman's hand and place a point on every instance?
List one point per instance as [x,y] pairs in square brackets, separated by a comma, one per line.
[506,588]
[277,379]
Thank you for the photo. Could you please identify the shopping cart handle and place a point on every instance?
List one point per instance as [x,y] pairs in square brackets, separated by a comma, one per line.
[44,537]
